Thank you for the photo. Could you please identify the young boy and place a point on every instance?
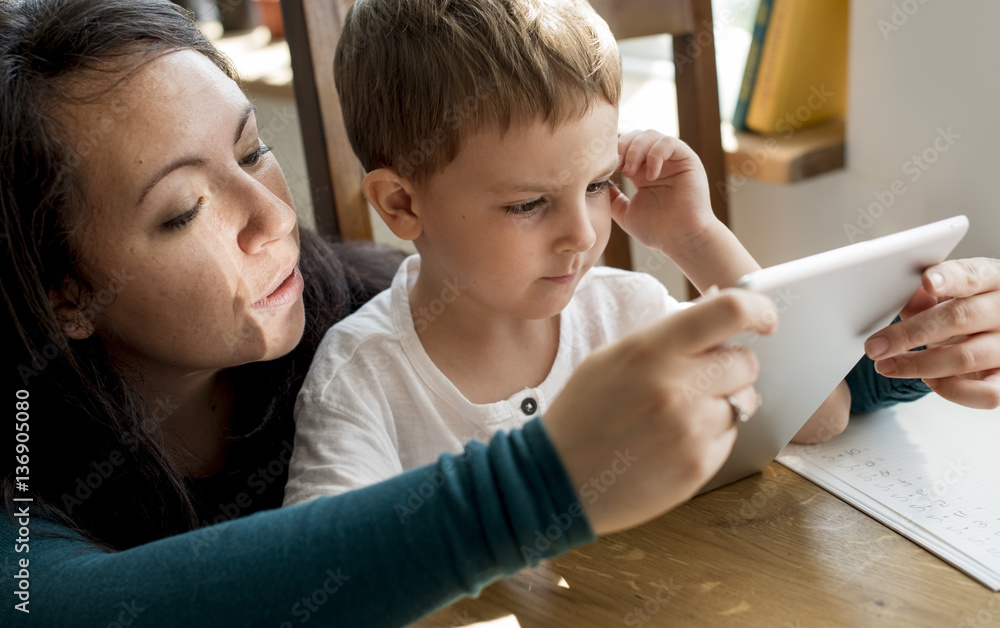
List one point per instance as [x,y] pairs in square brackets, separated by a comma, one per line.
[488,130]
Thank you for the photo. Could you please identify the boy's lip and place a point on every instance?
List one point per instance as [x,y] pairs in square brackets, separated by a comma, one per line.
[562,279]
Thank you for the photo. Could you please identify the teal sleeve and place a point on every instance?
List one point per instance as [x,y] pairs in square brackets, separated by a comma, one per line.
[381,556]
[871,391]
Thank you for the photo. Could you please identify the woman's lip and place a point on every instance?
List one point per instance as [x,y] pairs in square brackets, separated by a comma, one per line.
[562,279]
[286,292]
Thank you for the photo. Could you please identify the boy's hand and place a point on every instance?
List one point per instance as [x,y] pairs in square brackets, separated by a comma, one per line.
[671,210]
[671,204]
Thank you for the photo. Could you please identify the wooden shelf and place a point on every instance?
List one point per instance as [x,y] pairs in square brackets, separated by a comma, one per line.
[805,153]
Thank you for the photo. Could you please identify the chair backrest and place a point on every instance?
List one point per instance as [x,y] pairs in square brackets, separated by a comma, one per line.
[313,28]
[690,24]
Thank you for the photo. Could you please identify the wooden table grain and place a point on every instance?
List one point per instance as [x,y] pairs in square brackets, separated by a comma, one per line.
[771,550]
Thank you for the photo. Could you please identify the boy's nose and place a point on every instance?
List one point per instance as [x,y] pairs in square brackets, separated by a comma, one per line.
[578,232]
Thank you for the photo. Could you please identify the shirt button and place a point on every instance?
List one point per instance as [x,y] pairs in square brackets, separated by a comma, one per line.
[529,406]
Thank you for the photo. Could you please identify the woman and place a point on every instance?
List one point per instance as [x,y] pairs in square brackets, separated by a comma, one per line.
[156,289]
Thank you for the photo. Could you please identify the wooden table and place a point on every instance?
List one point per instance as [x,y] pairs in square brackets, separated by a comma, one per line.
[771,550]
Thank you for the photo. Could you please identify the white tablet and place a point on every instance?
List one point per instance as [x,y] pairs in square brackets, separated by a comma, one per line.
[829,304]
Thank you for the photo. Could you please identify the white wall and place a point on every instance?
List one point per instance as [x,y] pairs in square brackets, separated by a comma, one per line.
[916,67]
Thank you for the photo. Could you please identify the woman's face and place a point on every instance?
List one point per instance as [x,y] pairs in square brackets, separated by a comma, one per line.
[188,235]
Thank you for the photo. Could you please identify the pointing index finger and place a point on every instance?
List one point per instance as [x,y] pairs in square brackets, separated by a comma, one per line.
[715,318]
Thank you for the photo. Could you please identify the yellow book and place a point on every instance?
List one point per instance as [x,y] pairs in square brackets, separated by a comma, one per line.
[802,78]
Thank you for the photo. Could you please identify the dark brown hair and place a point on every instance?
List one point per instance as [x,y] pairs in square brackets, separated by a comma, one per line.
[84,407]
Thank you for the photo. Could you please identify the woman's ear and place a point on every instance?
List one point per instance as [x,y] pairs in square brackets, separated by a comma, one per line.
[74,318]
[392,197]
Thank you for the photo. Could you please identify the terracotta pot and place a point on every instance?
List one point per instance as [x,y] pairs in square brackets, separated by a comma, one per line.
[269,14]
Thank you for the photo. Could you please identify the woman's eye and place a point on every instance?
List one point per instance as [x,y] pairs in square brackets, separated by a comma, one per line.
[596,188]
[524,209]
[253,158]
[184,219]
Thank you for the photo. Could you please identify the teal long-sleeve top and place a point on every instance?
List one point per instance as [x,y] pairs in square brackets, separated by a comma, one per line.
[870,391]
[380,556]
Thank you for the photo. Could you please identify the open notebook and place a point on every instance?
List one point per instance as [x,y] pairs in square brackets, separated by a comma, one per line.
[929,470]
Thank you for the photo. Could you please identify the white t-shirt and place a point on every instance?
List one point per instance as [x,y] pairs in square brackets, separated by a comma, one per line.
[374,404]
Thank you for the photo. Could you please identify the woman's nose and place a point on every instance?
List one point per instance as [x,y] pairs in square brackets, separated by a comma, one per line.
[268,218]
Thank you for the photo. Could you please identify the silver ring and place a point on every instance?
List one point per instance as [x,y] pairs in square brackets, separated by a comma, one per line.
[739,414]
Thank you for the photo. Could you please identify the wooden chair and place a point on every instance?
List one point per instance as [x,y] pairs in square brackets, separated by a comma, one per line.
[313,27]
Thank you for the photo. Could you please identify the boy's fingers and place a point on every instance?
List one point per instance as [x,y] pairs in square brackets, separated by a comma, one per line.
[963,277]
[654,165]
[635,154]
[713,319]
[935,325]
[619,203]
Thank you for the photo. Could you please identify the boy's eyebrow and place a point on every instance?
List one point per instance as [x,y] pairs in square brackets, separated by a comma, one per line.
[612,166]
[543,187]
[193,161]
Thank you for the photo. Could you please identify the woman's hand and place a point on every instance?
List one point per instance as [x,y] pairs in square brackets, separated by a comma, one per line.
[644,423]
[956,315]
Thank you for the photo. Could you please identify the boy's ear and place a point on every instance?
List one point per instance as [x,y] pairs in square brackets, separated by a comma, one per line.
[72,315]
[392,197]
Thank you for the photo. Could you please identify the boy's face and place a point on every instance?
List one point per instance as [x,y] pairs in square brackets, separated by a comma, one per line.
[518,218]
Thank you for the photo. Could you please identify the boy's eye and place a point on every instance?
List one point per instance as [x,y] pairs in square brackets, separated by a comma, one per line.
[524,209]
[253,158]
[596,188]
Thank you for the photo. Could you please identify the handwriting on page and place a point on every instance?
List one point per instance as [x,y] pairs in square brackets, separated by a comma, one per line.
[927,502]
[930,470]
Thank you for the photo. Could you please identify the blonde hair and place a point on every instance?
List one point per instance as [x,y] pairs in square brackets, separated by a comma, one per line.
[416,77]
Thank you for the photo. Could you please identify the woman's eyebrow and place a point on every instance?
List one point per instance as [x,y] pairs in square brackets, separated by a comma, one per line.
[243,122]
[193,161]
